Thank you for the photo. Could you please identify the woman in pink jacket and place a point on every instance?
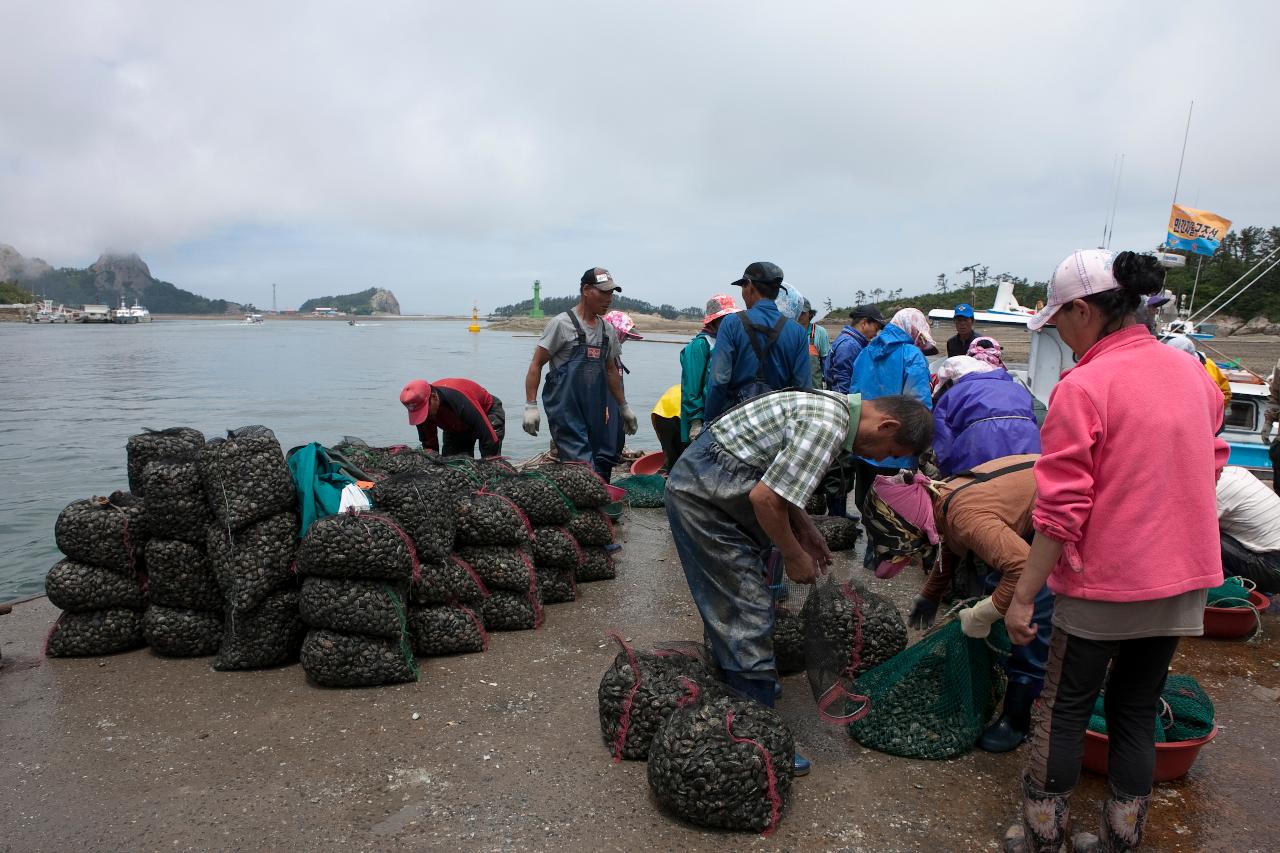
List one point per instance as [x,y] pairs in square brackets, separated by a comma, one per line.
[1129,568]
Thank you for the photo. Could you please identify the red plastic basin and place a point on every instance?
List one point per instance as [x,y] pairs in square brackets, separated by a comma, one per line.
[650,463]
[1173,760]
[1232,623]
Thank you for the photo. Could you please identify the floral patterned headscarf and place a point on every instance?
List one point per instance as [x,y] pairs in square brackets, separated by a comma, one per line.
[987,349]
[914,323]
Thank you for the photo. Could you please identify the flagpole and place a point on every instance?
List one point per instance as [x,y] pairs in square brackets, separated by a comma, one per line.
[1185,134]
[1192,306]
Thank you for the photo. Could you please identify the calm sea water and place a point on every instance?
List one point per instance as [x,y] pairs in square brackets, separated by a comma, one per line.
[70,396]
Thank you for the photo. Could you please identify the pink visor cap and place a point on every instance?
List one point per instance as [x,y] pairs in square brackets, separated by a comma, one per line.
[1081,274]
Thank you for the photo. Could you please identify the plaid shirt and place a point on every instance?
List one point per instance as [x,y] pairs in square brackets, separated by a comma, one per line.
[793,436]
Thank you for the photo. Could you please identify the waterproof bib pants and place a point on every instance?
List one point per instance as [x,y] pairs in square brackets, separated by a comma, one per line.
[575,396]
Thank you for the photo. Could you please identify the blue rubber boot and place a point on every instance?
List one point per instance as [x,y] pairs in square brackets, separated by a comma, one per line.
[802,765]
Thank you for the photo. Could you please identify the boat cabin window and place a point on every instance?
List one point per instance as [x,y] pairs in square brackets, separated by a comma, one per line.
[1242,414]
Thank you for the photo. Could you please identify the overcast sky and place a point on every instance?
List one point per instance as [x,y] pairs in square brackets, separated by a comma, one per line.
[456,151]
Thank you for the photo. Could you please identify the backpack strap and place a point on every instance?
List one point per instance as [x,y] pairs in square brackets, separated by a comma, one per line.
[983,478]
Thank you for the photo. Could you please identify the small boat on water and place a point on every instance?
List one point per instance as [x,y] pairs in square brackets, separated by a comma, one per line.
[252,319]
[48,312]
[135,314]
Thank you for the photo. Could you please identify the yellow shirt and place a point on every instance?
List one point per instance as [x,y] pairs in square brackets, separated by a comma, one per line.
[669,403]
[1216,374]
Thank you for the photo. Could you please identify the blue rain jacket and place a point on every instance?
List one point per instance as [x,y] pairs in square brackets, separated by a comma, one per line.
[845,350]
[733,361]
[892,364]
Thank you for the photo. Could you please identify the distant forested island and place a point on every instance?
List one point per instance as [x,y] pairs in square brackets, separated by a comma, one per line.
[375,300]
[556,304]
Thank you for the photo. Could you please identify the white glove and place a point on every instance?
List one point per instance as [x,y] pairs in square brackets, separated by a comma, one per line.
[629,422]
[976,621]
[532,420]
[695,429]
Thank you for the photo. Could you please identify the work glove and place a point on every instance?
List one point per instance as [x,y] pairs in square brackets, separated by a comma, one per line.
[976,621]
[922,614]
[532,420]
[695,429]
[629,422]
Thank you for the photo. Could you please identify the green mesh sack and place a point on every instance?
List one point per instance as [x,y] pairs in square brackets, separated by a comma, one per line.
[1190,707]
[1098,720]
[933,699]
[644,490]
[1232,593]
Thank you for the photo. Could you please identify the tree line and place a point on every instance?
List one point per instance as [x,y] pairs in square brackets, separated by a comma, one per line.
[556,304]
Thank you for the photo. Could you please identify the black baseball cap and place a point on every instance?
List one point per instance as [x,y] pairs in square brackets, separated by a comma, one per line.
[600,279]
[868,312]
[761,272]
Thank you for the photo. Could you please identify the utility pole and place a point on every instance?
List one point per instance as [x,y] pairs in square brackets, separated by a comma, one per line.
[972,270]
[273,298]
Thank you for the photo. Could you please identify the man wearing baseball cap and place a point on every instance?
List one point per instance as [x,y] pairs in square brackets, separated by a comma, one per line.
[583,352]
[958,344]
[865,322]
[758,350]
[463,409]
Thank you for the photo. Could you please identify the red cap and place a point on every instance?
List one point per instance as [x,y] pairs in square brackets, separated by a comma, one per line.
[416,397]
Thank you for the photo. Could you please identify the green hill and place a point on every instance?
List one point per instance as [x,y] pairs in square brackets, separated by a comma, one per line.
[556,304]
[372,301]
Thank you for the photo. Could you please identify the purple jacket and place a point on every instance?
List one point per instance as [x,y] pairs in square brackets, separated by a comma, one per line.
[983,416]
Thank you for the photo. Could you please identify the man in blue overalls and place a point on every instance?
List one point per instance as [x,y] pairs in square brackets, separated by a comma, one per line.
[583,351]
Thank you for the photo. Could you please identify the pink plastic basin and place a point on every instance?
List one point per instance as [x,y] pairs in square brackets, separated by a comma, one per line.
[650,463]
[1232,623]
[1173,760]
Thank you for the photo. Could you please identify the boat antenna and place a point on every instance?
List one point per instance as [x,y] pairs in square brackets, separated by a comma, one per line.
[1110,226]
[1185,135]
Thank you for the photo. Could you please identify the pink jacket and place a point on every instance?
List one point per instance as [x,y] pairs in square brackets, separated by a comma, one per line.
[1134,526]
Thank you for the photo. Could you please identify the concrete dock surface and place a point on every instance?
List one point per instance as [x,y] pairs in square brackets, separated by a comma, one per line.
[135,752]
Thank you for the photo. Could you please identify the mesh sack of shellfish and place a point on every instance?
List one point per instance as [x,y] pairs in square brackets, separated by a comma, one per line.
[788,639]
[447,581]
[245,477]
[480,471]
[578,482]
[537,496]
[179,633]
[175,507]
[109,532]
[423,504]
[180,575]
[366,545]
[723,761]
[253,562]
[267,635]
[591,527]
[556,586]
[95,632]
[840,533]
[499,566]
[505,610]
[81,587]
[597,565]
[372,607]
[446,629]
[817,503]
[371,460]
[556,547]
[335,659]
[487,519]
[406,460]
[848,631]
[152,444]
[639,691]
[934,699]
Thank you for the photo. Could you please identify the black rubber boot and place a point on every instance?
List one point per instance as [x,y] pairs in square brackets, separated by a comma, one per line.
[838,506]
[1006,733]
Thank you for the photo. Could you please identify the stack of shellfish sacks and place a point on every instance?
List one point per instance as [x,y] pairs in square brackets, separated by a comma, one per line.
[203,557]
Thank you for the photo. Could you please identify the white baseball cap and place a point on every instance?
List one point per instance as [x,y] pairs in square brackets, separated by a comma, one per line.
[1083,273]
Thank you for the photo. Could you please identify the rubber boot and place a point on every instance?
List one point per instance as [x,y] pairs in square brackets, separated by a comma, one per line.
[838,506]
[1006,733]
[1123,818]
[1046,822]
[801,765]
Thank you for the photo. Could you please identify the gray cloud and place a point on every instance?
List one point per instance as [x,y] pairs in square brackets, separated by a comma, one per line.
[456,151]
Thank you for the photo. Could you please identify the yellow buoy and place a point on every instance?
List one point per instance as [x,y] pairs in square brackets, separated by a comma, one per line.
[475,319]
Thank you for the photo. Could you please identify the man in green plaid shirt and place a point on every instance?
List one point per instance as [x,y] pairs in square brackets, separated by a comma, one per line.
[739,491]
